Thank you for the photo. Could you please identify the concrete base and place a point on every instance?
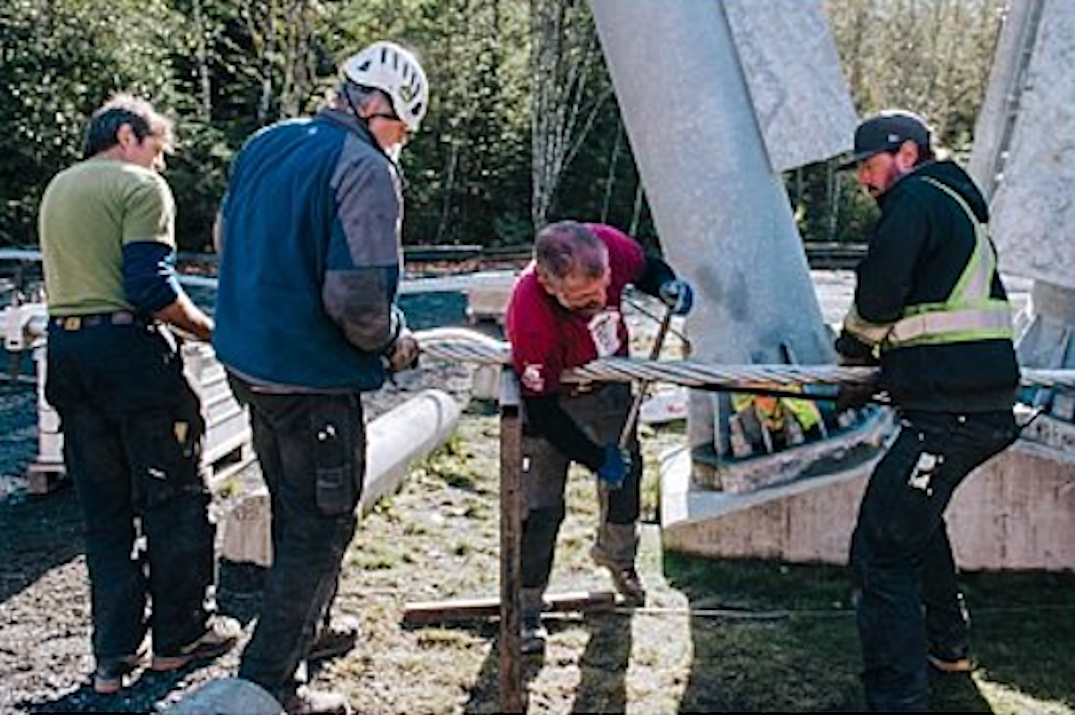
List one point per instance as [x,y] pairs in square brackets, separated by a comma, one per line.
[395,440]
[1016,512]
[227,696]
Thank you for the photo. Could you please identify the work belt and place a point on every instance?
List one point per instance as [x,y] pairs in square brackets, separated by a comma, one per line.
[72,323]
[585,388]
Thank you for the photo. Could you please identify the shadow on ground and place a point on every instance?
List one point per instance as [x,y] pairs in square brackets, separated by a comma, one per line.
[794,646]
[40,532]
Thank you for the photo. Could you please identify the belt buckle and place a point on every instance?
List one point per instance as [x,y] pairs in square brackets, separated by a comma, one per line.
[73,322]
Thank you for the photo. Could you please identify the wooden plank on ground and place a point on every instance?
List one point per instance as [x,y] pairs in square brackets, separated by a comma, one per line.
[45,477]
[470,609]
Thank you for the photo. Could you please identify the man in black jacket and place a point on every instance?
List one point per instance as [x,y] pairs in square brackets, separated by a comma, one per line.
[930,308]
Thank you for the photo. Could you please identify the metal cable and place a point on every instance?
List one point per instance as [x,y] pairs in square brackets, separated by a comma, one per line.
[465,345]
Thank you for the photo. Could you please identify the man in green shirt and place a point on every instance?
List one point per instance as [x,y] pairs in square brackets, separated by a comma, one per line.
[132,425]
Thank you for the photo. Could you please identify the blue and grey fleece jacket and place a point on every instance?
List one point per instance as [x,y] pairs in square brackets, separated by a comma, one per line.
[310,257]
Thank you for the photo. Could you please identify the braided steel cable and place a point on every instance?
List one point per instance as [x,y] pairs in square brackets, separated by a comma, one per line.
[465,345]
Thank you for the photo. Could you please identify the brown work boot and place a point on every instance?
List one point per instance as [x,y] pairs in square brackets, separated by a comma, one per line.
[625,578]
[629,584]
[316,702]
[113,674]
[334,640]
[221,633]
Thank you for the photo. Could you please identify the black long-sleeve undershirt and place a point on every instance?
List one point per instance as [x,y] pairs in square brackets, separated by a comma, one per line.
[545,417]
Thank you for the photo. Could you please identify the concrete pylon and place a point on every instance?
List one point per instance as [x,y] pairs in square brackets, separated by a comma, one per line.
[717,98]
[1024,157]
[395,441]
[227,696]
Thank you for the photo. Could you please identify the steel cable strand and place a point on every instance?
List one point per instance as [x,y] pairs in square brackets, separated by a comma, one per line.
[465,345]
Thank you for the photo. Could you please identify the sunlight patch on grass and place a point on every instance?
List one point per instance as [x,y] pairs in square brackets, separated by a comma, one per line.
[1006,700]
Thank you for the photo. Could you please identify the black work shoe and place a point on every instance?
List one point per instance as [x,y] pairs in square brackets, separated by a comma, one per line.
[112,674]
[334,640]
[950,659]
[220,635]
[532,636]
[316,702]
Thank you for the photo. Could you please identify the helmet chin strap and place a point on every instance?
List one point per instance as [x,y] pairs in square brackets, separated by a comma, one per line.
[392,152]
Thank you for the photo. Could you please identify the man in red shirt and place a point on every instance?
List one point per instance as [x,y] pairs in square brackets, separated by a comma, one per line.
[565,312]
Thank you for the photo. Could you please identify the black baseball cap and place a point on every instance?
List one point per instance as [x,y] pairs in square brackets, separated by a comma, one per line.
[886,131]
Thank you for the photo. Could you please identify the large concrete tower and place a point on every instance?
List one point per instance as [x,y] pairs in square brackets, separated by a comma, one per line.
[718,98]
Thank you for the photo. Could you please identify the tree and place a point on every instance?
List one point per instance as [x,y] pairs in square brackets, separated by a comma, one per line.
[566,96]
[59,61]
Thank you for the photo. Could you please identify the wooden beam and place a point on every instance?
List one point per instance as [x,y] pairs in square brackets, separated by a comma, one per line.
[486,608]
[512,695]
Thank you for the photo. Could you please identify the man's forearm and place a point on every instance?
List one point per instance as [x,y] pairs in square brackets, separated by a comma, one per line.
[187,316]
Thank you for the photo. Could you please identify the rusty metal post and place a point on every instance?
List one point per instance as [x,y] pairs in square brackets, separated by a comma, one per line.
[511,690]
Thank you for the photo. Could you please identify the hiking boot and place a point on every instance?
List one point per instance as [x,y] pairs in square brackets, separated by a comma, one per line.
[625,578]
[628,584]
[111,674]
[532,636]
[950,659]
[334,640]
[221,633]
[315,702]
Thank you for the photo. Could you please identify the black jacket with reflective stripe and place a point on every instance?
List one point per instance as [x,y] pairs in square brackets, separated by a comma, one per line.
[919,248]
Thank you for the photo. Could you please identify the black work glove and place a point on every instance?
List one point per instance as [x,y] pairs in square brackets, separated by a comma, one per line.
[852,396]
[852,351]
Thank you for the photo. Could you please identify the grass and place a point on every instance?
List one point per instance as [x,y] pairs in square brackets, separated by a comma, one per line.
[717,635]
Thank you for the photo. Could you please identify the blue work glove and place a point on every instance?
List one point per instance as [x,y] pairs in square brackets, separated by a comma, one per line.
[616,466]
[677,295]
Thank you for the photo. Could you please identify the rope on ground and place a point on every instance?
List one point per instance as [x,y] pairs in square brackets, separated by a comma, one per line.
[465,345]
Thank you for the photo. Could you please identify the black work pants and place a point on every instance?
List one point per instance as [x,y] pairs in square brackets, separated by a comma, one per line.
[901,559]
[133,430]
[312,451]
[601,414]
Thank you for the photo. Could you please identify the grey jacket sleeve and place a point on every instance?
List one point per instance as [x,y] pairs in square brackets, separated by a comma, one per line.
[363,263]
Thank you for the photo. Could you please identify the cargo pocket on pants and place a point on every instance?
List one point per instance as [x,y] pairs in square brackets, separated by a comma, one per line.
[334,441]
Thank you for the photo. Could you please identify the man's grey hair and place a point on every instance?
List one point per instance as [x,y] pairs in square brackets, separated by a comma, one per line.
[567,247]
[102,131]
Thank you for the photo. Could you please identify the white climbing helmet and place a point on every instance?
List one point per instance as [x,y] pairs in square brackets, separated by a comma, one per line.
[394,70]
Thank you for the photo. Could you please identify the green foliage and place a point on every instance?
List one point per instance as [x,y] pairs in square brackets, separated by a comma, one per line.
[225,68]
[60,60]
[198,176]
[468,167]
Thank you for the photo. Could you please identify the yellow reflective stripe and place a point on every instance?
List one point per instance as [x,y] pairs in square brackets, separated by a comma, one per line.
[969,313]
[958,337]
[864,330]
[974,282]
[995,320]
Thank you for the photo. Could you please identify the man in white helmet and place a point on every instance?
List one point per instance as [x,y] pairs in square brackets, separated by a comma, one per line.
[306,321]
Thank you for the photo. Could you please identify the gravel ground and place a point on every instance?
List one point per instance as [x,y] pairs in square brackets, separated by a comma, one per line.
[436,539]
[44,610]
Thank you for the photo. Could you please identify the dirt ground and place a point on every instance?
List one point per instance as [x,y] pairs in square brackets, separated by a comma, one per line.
[712,637]
[436,539]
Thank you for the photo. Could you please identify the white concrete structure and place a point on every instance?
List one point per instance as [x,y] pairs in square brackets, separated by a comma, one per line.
[717,98]
[395,441]
[1024,147]
[227,696]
